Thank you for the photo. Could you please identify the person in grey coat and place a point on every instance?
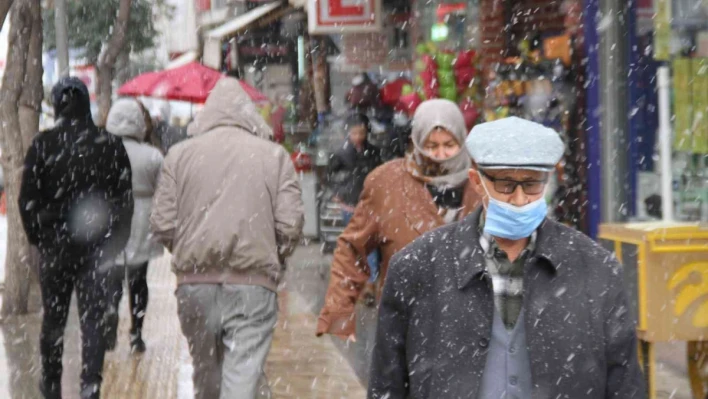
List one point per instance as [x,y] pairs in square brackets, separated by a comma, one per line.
[506,303]
[130,121]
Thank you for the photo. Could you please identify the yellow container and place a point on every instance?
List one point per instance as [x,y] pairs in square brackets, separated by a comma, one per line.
[666,271]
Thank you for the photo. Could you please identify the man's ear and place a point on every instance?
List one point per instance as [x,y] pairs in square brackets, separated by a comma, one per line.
[476,181]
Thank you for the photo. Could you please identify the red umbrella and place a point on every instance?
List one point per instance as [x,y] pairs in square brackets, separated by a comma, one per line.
[192,83]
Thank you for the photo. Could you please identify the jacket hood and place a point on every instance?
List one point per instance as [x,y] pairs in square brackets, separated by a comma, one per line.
[229,105]
[126,119]
[71,101]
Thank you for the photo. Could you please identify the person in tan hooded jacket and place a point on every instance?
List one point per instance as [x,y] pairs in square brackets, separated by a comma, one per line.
[228,206]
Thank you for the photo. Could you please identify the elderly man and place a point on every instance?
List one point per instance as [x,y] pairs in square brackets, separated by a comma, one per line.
[506,303]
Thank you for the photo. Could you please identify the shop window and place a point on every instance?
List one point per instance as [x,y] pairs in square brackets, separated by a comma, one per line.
[447,23]
[400,37]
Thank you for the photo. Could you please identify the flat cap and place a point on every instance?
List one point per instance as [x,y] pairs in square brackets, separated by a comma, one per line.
[514,143]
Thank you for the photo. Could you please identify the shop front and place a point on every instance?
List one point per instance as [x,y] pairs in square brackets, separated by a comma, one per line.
[666,151]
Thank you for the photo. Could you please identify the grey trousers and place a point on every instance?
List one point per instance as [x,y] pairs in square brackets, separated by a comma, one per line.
[229,329]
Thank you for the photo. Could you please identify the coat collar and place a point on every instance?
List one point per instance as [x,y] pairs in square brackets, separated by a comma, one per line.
[417,194]
[471,263]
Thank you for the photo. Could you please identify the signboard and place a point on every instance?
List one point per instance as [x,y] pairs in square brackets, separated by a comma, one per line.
[263,49]
[365,50]
[344,16]
[662,30]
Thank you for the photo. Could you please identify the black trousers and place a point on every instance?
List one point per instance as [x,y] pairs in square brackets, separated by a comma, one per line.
[58,279]
[138,293]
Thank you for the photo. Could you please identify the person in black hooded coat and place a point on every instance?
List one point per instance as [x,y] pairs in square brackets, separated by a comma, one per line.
[350,165]
[76,205]
[347,171]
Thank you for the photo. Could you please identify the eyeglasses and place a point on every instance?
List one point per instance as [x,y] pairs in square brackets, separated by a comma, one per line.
[507,186]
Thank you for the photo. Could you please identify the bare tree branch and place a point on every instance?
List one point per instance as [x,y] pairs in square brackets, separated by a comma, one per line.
[107,60]
[4,8]
[111,51]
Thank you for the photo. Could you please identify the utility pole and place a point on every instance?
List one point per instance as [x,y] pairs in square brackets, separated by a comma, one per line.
[60,24]
[613,79]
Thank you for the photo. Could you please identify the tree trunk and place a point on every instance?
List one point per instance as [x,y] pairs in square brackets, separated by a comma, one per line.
[122,70]
[104,91]
[307,106]
[4,8]
[320,74]
[107,61]
[19,110]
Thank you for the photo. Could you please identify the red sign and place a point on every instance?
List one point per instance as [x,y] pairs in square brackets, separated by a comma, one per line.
[344,16]
[203,5]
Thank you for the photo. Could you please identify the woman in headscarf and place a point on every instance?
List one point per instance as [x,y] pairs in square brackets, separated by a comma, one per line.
[401,200]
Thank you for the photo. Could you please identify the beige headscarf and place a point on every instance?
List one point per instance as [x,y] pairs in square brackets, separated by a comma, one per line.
[444,114]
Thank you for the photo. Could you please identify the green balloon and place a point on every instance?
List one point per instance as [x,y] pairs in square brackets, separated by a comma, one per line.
[448,92]
[445,60]
[446,77]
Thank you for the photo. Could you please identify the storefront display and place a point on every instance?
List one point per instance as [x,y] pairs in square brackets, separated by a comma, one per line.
[688,24]
[442,73]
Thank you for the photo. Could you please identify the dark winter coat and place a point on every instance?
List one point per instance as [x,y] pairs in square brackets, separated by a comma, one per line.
[435,319]
[348,169]
[76,197]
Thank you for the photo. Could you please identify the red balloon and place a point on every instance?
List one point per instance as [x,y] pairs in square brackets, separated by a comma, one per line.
[391,92]
[470,113]
[465,59]
[464,76]
[409,103]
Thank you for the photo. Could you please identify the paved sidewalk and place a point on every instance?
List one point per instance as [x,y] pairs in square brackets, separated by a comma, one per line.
[299,366]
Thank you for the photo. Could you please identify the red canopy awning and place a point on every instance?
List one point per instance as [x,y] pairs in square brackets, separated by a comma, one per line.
[192,83]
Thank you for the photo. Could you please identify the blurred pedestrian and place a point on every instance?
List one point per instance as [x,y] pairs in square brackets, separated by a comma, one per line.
[347,171]
[401,200]
[506,303]
[164,135]
[228,206]
[129,120]
[76,205]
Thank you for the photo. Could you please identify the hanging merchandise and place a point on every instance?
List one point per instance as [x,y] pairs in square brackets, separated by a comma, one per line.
[391,92]
[443,73]
[364,93]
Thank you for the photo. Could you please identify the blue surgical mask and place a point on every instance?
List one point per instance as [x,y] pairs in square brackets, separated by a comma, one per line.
[513,222]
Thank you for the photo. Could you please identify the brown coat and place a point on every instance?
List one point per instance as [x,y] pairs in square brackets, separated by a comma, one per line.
[394,210]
